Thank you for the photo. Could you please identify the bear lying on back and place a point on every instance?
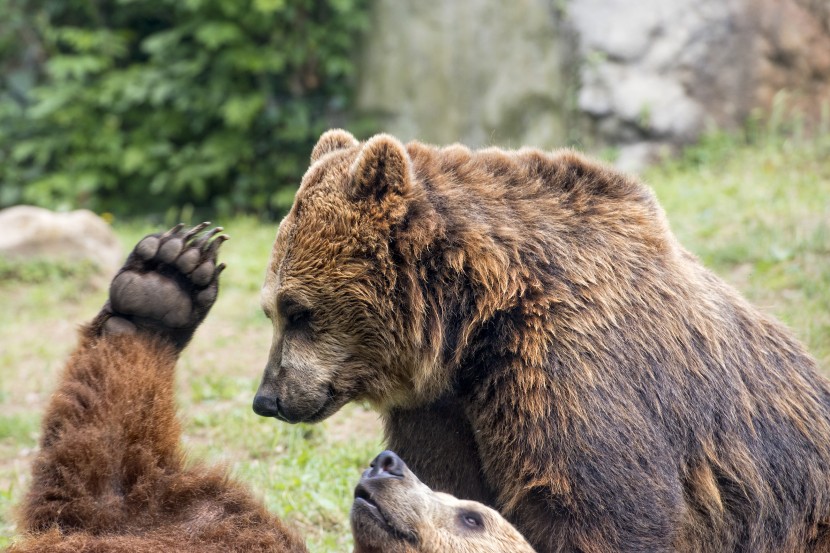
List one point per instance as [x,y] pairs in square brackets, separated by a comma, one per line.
[535,337]
[111,477]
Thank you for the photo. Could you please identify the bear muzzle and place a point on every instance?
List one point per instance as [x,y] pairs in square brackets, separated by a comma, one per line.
[293,407]
[383,487]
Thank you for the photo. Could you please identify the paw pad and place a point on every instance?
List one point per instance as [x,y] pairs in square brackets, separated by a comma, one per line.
[167,285]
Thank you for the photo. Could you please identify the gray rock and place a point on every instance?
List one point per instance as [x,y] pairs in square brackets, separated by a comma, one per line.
[654,62]
[471,71]
[589,72]
[636,157]
[36,233]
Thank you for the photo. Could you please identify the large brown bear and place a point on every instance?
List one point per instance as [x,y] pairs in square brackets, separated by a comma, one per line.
[111,475]
[535,337]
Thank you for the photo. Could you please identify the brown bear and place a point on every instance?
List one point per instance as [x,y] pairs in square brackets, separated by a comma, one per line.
[535,337]
[111,475]
[394,512]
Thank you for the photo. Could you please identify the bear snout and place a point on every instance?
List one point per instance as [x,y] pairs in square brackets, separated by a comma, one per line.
[386,464]
[385,479]
[265,406]
[287,400]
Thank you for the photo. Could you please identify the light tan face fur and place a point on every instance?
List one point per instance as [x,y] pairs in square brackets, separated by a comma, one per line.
[329,295]
[402,515]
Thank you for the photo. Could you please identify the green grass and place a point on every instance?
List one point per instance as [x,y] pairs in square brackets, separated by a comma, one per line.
[19,429]
[757,213]
[42,271]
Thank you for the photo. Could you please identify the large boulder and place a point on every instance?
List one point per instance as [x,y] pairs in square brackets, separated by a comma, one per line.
[34,233]
[637,76]
[476,71]
[667,69]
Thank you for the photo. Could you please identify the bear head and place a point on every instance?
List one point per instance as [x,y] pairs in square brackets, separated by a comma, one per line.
[343,327]
[394,512]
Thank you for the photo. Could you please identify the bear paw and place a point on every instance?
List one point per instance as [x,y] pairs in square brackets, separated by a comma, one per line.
[166,287]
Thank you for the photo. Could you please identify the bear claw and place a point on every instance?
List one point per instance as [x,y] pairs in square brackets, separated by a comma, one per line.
[167,285]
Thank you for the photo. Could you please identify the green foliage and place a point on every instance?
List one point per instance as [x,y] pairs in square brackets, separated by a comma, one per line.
[143,104]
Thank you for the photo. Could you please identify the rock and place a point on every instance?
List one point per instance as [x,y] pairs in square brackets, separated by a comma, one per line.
[650,61]
[588,72]
[688,64]
[78,236]
[658,105]
[636,157]
[793,42]
[478,72]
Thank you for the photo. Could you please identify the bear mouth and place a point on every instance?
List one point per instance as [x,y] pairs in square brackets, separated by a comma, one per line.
[366,503]
[320,414]
[331,404]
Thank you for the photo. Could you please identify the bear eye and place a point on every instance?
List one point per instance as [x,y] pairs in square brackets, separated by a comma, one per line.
[299,318]
[296,315]
[472,519]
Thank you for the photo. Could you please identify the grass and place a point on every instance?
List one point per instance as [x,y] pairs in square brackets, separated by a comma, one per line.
[305,473]
[758,214]
[756,211]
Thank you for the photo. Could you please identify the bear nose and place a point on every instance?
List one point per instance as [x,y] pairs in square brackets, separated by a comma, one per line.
[386,464]
[265,406]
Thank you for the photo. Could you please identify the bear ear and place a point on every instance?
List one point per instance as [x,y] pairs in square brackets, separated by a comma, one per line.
[332,140]
[382,167]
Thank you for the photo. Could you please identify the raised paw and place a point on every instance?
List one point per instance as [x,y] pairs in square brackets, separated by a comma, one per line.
[167,285]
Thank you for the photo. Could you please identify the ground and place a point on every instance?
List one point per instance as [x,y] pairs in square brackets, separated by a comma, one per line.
[758,215]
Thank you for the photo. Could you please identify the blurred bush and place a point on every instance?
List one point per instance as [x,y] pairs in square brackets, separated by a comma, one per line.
[136,105]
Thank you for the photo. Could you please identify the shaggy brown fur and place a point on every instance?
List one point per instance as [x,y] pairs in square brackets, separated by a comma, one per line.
[110,475]
[607,392]
[112,479]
